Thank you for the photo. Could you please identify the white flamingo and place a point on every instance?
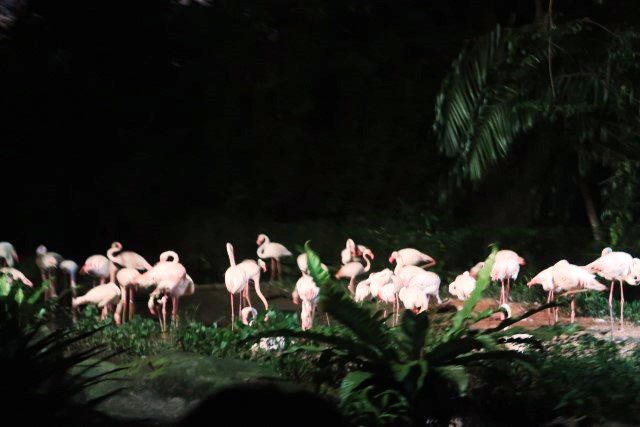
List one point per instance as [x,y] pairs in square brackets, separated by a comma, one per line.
[271,250]
[235,280]
[410,256]
[354,269]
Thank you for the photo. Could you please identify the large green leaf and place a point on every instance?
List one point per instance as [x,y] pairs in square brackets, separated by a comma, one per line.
[351,382]
[414,327]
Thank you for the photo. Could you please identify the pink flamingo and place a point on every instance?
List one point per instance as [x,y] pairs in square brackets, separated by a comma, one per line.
[69,268]
[462,287]
[48,263]
[8,254]
[506,267]
[363,291]
[354,269]
[308,292]
[13,275]
[570,278]
[126,259]
[104,296]
[99,267]
[545,279]
[616,266]
[268,249]
[353,252]
[303,266]
[413,298]
[171,280]
[429,282]
[252,270]
[410,256]
[235,279]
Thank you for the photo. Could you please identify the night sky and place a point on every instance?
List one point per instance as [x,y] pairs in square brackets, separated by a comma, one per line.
[124,119]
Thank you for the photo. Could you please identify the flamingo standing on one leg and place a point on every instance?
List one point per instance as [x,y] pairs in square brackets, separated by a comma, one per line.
[252,270]
[274,251]
[104,296]
[616,266]
[353,252]
[354,269]
[570,278]
[126,259]
[8,254]
[410,256]
[48,263]
[98,266]
[506,267]
[235,279]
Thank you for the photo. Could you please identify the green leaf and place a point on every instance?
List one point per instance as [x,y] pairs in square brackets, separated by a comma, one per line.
[415,326]
[351,382]
[457,375]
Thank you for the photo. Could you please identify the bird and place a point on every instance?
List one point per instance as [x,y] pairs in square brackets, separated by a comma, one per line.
[353,252]
[616,266]
[104,296]
[462,286]
[235,279]
[8,254]
[570,278]
[171,281]
[429,282]
[303,265]
[268,249]
[13,274]
[48,263]
[413,298]
[545,279]
[252,270]
[410,256]
[126,259]
[389,294]
[126,277]
[354,269]
[506,267]
[99,267]
[363,291]
[377,280]
[308,292]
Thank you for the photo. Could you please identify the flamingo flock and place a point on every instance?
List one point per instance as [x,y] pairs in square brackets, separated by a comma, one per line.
[120,273]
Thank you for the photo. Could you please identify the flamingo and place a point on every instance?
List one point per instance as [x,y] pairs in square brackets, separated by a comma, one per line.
[429,282]
[616,266]
[8,254]
[389,294]
[506,267]
[99,267]
[48,263]
[171,280]
[275,251]
[70,268]
[126,278]
[303,265]
[353,252]
[413,298]
[410,256]
[13,274]
[354,269]
[235,279]
[104,296]
[252,270]
[377,280]
[569,278]
[363,291]
[126,259]
[462,287]
[308,292]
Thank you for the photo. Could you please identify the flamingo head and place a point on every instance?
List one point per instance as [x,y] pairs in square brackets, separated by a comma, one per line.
[605,251]
[261,239]
[368,253]
[116,245]
[42,249]
[393,257]
[521,261]
[263,265]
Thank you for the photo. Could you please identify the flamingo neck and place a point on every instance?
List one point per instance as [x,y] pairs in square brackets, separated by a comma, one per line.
[367,261]
[111,253]
[232,259]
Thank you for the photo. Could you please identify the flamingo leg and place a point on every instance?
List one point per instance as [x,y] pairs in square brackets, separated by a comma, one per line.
[246,294]
[240,304]
[351,281]
[328,323]
[132,305]
[621,307]
[573,309]
[611,307]
[279,272]
[501,292]
[164,313]
[508,290]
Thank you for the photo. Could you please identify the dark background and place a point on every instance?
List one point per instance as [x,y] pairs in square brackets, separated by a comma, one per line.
[132,120]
